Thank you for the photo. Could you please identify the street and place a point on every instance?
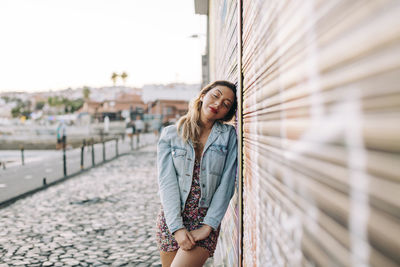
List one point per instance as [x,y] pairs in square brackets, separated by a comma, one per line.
[17,179]
[103,217]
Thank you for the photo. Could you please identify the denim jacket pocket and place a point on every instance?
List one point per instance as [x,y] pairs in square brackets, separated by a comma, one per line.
[178,157]
[216,159]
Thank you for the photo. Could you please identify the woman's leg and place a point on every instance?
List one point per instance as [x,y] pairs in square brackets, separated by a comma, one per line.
[195,257]
[167,257]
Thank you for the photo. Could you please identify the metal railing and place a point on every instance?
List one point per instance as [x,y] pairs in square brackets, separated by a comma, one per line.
[68,163]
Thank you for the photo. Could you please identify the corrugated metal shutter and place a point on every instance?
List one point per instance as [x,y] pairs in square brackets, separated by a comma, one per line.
[321,125]
[223,40]
[223,47]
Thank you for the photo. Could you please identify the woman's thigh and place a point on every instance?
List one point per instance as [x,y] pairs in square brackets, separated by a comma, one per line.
[167,257]
[193,258]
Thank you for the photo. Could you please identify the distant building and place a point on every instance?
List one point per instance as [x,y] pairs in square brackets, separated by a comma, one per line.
[130,102]
[174,91]
[170,110]
[168,102]
[112,93]
[5,110]
[90,107]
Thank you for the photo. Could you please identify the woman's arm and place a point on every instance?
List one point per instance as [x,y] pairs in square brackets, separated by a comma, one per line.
[201,233]
[168,183]
[225,190]
[185,239]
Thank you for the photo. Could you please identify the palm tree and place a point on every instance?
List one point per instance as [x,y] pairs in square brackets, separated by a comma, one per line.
[114,78]
[124,75]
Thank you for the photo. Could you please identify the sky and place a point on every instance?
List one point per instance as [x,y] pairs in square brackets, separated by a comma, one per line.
[57,44]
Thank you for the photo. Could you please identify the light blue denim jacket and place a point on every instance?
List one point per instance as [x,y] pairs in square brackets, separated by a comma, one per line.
[175,160]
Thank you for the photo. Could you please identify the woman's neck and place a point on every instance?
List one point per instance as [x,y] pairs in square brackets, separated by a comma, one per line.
[206,124]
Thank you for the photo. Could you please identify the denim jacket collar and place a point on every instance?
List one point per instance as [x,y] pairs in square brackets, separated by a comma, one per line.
[217,128]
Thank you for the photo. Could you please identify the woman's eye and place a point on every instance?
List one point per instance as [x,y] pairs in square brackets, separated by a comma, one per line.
[215,96]
[226,105]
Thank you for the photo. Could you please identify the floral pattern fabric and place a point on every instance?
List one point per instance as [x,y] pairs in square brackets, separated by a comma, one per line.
[192,216]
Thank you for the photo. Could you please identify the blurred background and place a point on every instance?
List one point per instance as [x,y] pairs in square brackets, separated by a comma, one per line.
[84,82]
[73,66]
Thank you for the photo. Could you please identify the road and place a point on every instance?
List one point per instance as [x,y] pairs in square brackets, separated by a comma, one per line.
[103,217]
[17,179]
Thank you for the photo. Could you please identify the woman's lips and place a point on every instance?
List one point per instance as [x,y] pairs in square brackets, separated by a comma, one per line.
[213,110]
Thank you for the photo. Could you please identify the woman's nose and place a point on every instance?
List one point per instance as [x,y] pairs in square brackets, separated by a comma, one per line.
[218,103]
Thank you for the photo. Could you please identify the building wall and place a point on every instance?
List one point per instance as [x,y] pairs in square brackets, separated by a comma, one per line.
[321,138]
[170,110]
[223,46]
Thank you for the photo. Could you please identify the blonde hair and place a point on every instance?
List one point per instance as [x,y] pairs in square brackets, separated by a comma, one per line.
[189,124]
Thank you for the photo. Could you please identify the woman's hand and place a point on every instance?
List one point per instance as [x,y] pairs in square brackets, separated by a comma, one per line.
[201,233]
[185,239]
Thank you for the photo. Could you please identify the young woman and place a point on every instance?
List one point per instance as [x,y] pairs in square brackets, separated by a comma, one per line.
[197,160]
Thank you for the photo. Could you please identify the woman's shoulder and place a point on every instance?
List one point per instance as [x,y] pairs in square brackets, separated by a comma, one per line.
[228,128]
[170,128]
[169,131]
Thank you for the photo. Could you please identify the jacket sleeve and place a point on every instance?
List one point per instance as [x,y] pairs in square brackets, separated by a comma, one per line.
[168,183]
[225,190]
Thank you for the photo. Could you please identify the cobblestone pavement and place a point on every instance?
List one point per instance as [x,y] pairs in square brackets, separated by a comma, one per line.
[104,217]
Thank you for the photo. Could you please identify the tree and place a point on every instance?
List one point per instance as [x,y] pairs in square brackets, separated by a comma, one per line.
[114,78]
[54,101]
[16,111]
[86,92]
[21,109]
[76,104]
[39,105]
[124,75]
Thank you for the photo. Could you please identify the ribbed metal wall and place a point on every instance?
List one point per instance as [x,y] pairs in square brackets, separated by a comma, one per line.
[321,118]
[223,47]
[223,40]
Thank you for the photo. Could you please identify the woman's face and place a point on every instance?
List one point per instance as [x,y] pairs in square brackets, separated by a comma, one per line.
[217,102]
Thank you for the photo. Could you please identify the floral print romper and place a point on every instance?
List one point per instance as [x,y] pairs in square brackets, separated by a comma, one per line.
[192,216]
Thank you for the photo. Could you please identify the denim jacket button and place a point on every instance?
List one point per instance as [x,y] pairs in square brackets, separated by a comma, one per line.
[203,185]
[187,174]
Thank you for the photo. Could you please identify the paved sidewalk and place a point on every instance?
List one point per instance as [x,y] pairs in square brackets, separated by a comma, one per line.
[104,217]
[18,180]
